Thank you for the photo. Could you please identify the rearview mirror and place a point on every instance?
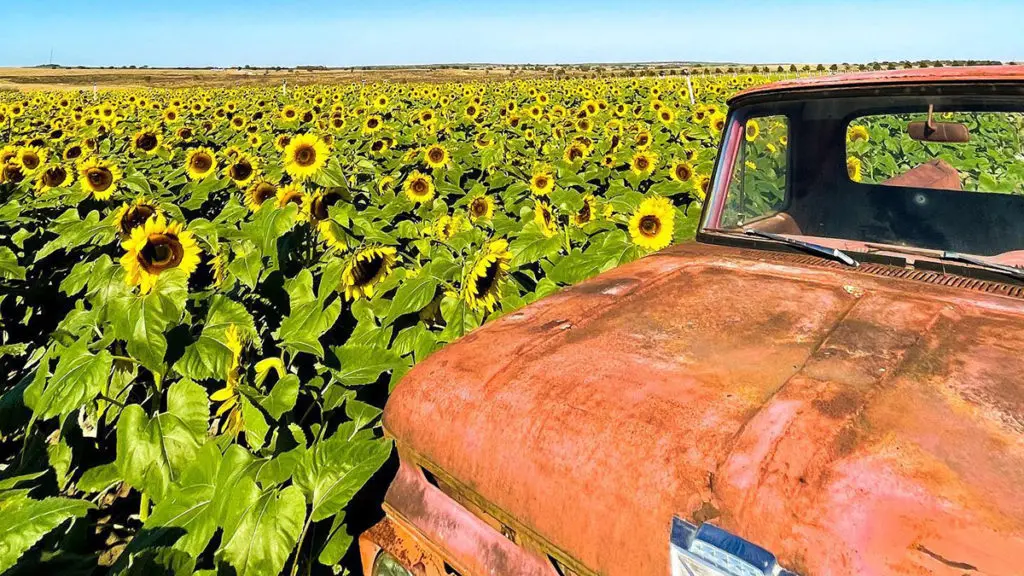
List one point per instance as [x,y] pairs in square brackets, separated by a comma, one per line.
[951,132]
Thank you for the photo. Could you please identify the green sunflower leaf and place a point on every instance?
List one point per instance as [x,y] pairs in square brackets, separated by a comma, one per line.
[152,453]
[9,268]
[412,296]
[209,356]
[308,320]
[258,540]
[142,320]
[335,469]
[27,520]
[77,379]
[365,364]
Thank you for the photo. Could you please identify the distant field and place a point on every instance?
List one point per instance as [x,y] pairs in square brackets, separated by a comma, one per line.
[84,79]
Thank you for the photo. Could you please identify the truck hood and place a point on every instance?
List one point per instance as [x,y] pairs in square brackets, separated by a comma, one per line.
[849,422]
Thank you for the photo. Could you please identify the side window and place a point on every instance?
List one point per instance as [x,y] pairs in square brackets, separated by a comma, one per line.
[757,186]
[968,151]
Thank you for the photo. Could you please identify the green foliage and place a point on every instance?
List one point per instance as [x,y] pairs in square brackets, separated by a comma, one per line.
[207,385]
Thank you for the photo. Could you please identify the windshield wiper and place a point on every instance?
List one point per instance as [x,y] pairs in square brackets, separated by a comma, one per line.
[1011,271]
[831,253]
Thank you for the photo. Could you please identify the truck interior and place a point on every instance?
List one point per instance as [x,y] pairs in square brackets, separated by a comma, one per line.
[809,167]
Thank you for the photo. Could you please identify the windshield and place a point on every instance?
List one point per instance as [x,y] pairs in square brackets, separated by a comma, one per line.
[936,173]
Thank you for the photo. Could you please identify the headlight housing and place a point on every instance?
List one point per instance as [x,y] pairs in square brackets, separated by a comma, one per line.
[388,565]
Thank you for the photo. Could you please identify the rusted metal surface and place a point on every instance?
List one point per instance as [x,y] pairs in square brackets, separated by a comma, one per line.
[935,174]
[432,528]
[960,75]
[401,542]
[850,423]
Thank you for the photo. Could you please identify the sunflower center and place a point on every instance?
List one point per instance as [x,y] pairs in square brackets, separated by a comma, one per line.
[682,172]
[11,173]
[650,225]
[322,204]
[751,131]
[642,163]
[305,156]
[241,170]
[147,142]
[479,207]
[583,216]
[162,251]
[30,161]
[201,163]
[292,198]
[484,284]
[364,271]
[136,217]
[99,178]
[419,187]
[55,176]
[575,153]
[371,123]
[263,191]
[541,182]
[436,155]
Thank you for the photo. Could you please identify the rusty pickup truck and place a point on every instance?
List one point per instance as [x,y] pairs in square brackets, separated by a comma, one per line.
[828,381]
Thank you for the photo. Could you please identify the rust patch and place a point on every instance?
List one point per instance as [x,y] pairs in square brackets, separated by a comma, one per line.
[839,406]
[707,511]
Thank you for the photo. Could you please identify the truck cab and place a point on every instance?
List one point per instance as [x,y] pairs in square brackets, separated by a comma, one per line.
[826,381]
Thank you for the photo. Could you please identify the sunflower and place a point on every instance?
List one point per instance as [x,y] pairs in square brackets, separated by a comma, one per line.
[305,156]
[367,268]
[132,215]
[447,226]
[156,247]
[681,171]
[853,168]
[31,158]
[643,139]
[229,396]
[8,153]
[575,151]
[242,170]
[542,182]
[652,224]
[146,142]
[752,130]
[281,142]
[857,133]
[419,187]
[372,124]
[259,192]
[289,113]
[317,205]
[485,278]
[586,214]
[436,156]
[481,208]
[717,121]
[643,163]
[666,115]
[99,177]
[200,163]
[53,176]
[544,218]
[10,172]
[483,141]
[292,194]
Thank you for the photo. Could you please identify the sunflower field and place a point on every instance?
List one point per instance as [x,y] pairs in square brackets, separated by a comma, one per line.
[207,294]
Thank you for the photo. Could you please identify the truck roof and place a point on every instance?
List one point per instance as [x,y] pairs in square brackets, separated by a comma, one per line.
[888,78]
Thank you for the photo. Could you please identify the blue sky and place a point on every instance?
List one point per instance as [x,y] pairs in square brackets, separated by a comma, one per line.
[343,33]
